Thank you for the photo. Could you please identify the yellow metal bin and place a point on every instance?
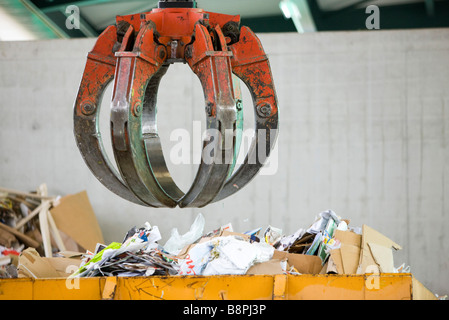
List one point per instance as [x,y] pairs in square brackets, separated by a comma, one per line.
[398,286]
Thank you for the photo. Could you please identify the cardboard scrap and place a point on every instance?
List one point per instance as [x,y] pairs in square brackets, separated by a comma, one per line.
[71,254]
[64,266]
[383,256]
[335,263]
[374,241]
[307,264]
[346,258]
[224,233]
[371,235]
[75,217]
[326,266]
[272,266]
[32,265]
[350,256]
[348,238]
[369,252]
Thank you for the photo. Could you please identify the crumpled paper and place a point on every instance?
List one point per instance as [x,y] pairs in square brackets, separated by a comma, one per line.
[224,255]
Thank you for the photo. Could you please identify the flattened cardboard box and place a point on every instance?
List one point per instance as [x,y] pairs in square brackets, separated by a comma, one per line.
[75,217]
[376,254]
[370,252]
[307,264]
[345,260]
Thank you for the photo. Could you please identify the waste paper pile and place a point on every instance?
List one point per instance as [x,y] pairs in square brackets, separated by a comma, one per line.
[21,218]
[328,246]
[34,224]
[137,255]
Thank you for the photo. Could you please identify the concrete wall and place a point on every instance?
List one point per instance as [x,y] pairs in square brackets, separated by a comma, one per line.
[364,131]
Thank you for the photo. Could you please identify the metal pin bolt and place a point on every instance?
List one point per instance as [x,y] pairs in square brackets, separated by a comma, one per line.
[137,108]
[239,105]
[264,109]
[88,109]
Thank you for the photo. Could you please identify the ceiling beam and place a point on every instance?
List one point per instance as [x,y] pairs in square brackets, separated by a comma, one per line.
[44,19]
[400,16]
[60,5]
[56,20]
[430,7]
[353,6]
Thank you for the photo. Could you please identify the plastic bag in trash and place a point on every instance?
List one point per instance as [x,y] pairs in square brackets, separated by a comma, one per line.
[177,242]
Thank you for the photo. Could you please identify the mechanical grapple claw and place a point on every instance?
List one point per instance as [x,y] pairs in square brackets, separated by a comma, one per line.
[135,54]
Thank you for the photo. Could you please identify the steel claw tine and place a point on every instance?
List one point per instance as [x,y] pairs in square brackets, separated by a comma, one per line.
[238,122]
[252,67]
[132,112]
[215,75]
[98,73]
